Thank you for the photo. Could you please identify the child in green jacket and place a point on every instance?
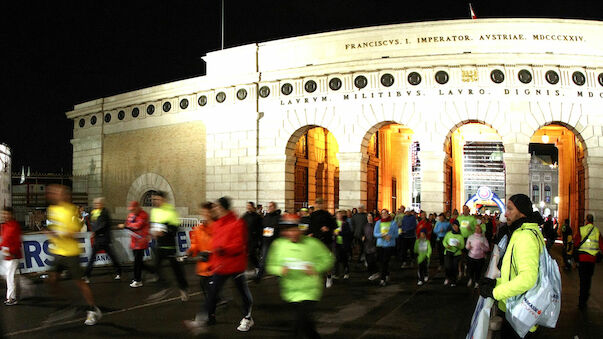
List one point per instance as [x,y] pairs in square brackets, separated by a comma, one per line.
[423,252]
[300,262]
[453,244]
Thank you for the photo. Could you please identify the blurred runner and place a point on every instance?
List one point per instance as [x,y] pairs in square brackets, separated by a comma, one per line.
[423,251]
[253,222]
[228,260]
[11,252]
[63,218]
[164,227]
[269,233]
[300,262]
[343,245]
[137,223]
[201,245]
[101,238]
[322,226]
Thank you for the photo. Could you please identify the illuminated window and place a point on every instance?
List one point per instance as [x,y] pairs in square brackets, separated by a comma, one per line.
[535,194]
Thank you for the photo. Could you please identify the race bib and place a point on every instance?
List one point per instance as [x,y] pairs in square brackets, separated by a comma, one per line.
[465,223]
[294,264]
[423,246]
[268,231]
[453,242]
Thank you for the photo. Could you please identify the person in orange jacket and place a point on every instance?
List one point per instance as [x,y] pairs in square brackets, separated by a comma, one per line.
[201,245]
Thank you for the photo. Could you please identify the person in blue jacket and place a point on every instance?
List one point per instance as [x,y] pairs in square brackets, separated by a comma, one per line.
[386,232]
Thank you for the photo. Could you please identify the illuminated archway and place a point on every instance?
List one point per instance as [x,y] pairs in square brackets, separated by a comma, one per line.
[312,169]
[393,167]
[474,160]
[557,172]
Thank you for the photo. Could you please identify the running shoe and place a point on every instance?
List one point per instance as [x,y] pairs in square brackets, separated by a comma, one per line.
[245,324]
[346,276]
[329,283]
[446,282]
[117,277]
[11,302]
[453,285]
[426,279]
[420,282]
[92,317]
[135,284]
[382,283]
[86,279]
[183,295]
[469,283]
[374,276]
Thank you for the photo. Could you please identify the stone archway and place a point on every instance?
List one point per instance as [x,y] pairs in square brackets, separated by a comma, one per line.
[150,182]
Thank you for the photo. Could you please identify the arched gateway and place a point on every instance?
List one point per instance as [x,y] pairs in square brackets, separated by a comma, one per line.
[392,98]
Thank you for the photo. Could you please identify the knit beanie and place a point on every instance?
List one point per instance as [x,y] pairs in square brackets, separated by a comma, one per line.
[523,203]
[224,202]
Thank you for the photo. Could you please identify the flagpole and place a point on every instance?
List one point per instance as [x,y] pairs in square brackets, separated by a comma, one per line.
[222,25]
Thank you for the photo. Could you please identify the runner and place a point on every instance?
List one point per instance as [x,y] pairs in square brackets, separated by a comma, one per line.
[228,260]
[201,245]
[386,232]
[101,238]
[423,251]
[63,219]
[343,245]
[11,253]
[300,262]
[137,223]
[453,244]
[164,227]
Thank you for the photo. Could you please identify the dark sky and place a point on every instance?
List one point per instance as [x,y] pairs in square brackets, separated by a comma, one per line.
[56,54]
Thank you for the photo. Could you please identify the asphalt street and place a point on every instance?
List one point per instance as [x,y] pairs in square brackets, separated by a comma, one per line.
[354,308]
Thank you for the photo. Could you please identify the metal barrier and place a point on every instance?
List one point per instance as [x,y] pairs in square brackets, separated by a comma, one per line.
[189,222]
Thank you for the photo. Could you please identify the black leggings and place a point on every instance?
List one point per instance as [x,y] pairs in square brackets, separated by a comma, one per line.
[341,255]
[169,254]
[384,254]
[452,266]
[215,286]
[474,268]
[97,246]
[304,326]
[139,265]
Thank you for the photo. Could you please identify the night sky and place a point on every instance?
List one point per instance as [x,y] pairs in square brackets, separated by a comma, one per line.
[59,53]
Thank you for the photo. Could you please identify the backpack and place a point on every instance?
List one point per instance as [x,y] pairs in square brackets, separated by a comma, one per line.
[541,304]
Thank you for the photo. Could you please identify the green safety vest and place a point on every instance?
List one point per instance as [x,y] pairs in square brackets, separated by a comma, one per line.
[591,245]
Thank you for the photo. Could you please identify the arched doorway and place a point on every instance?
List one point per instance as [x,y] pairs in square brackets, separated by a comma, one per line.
[474,160]
[316,169]
[557,173]
[393,168]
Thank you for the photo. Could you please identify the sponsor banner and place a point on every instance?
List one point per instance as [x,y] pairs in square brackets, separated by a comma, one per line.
[37,256]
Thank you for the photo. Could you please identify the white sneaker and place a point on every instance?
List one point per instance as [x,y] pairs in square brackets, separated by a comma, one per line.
[476,285]
[92,317]
[374,276]
[446,282]
[419,283]
[329,282]
[183,295]
[117,277]
[196,326]
[425,279]
[245,324]
[136,284]
[346,276]
[469,283]
[86,279]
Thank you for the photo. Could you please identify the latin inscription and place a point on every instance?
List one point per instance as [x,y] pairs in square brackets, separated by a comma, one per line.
[459,38]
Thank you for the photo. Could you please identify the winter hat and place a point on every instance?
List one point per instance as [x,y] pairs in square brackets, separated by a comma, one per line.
[288,221]
[523,203]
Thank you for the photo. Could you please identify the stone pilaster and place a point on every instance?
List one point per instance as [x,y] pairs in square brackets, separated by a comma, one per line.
[432,180]
[274,182]
[352,179]
[594,186]
[517,173]
[87,166]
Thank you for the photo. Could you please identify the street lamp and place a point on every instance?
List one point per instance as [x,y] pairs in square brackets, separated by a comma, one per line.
[541,206]
[557,200]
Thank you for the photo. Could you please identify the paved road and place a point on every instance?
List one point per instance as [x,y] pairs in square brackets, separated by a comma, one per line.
[355,308]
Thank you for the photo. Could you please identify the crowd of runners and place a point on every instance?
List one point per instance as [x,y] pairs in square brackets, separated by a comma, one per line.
[309,250]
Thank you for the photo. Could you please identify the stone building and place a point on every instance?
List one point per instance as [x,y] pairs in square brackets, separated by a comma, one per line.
[339,114]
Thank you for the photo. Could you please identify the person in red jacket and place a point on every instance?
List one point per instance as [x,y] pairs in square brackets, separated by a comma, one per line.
[228,260]
[138,224]
[425,224]
[11,251]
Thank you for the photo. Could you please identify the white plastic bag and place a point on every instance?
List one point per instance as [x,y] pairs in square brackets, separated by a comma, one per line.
[481,316]
[541,304]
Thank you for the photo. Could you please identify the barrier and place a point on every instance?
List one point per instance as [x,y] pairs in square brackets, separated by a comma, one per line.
[37,256]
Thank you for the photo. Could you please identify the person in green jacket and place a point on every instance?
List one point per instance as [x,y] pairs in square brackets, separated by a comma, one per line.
[453,243]
[519,270]
[300,262]
[423,252]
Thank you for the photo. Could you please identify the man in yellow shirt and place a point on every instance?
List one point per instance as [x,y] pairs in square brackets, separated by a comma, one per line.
[64,222]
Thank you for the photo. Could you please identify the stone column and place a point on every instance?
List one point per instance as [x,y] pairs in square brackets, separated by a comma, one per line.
[594,186]
[87,165]
[517,171]
[432,179]
[352,179]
